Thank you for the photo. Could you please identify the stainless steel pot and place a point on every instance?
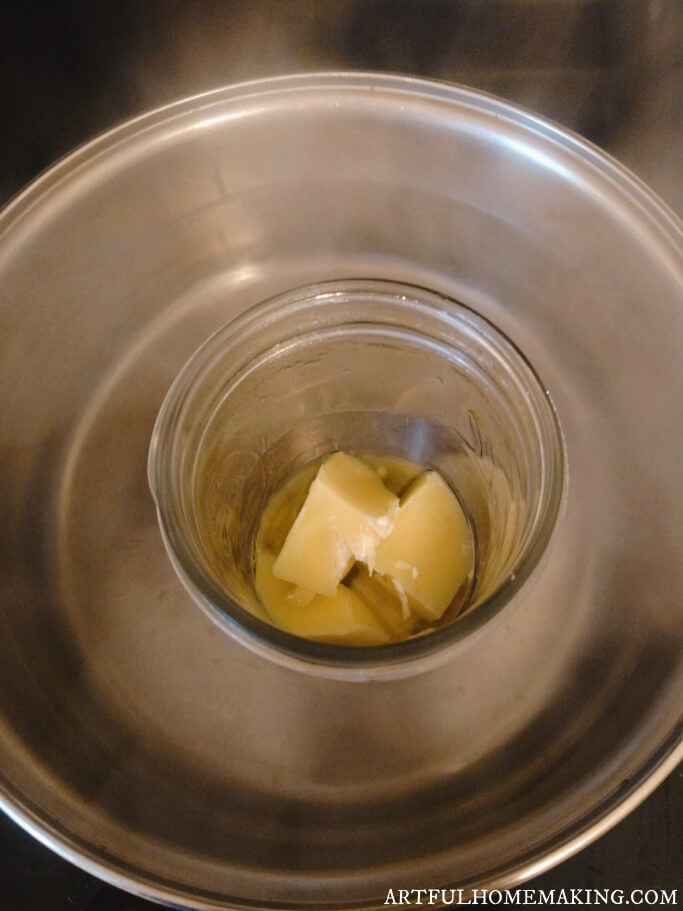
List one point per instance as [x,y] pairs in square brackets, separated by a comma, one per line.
[140,741]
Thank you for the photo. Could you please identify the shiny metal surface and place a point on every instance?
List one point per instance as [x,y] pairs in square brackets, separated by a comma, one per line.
[136,737]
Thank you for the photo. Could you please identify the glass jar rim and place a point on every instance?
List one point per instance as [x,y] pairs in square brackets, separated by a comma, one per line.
[348,662]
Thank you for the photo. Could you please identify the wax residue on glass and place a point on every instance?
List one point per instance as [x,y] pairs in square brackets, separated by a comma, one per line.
[363,549]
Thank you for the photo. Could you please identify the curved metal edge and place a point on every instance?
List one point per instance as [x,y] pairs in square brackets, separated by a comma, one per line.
[608,166]
[600,820]
[136,882]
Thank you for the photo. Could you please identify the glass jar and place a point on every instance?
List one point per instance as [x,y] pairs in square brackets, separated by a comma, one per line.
[354,366]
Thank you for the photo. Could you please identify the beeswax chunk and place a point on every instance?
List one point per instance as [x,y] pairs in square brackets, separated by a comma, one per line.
[347,512]
[342,617]
[428,553]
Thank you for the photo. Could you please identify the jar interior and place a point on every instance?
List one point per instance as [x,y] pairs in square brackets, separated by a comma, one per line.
[357,371]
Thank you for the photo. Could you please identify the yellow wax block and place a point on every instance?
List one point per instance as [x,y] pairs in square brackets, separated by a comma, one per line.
[429,552]
[342,618]
[348,510]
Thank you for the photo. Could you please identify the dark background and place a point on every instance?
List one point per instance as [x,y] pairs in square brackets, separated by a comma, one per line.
[608,69]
